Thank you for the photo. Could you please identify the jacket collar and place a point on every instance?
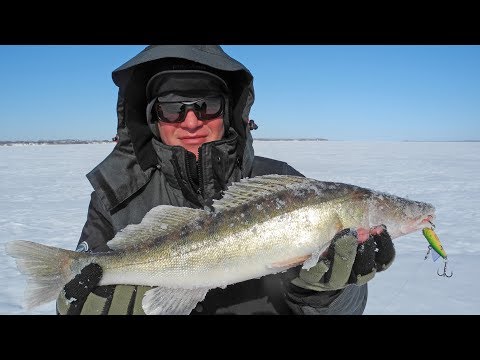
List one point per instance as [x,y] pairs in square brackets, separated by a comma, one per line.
[120,176]
[218,164]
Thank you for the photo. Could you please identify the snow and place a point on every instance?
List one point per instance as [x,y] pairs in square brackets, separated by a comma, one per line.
[45,196]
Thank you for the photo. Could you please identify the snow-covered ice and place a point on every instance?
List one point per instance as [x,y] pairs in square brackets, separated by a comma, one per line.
[44,198]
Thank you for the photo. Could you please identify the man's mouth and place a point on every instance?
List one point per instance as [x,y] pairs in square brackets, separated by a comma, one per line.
[193,139]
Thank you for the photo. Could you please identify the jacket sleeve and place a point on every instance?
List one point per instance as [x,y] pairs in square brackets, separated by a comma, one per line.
[97,229]
[350,300]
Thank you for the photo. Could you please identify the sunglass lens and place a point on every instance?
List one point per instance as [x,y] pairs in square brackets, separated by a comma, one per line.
[209,108]
[170,112]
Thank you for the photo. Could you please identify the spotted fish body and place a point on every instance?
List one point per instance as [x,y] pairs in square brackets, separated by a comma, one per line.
[261,226]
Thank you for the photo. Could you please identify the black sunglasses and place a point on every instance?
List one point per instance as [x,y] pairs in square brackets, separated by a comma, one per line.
[207,108]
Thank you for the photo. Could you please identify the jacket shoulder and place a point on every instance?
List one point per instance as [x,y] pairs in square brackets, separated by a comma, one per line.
[264,166]
[118,177]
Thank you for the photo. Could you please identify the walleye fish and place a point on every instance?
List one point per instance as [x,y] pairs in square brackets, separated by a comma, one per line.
[262,225]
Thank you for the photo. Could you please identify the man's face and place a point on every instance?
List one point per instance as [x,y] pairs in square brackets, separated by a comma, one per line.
[189,107]
[192,132]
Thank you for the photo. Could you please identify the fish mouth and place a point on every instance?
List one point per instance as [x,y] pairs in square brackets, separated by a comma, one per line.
[428,222]
[419,224]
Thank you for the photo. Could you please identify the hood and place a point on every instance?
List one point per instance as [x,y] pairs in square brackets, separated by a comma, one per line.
[132,77]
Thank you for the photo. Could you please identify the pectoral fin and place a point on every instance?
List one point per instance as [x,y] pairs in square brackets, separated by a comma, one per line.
[168,301]
[313,260]
[288,263]
[321,251]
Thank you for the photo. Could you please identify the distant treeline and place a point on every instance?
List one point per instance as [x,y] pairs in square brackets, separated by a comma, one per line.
[52,142]
[73,141]
[291,139]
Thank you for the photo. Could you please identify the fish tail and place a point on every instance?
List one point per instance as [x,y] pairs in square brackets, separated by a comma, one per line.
[47,269]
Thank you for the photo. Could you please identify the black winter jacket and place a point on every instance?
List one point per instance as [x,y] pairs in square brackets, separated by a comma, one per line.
[141,173]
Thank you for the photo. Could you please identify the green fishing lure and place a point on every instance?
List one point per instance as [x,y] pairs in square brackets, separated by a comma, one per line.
[437,246]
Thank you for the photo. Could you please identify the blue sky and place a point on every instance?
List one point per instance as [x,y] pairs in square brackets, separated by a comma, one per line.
[337,92]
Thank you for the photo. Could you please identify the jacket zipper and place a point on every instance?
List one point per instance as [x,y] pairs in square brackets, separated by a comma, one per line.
[189,174]
[200,173]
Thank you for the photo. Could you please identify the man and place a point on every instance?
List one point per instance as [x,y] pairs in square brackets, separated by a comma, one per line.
[183,137]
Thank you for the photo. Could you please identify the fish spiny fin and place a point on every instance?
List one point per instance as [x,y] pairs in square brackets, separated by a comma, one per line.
[256,188]
[168,301]
[160,220]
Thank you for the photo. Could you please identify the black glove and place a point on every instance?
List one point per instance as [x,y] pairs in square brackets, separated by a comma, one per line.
[348,262]
[76,291]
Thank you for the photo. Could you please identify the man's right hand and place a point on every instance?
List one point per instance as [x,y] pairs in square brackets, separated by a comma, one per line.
[75,292]
[354,257]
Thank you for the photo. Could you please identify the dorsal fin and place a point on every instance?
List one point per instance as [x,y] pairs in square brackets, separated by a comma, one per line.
[160,220]
[254,189]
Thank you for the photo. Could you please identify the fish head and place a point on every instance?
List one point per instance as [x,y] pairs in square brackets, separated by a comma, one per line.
[401,216]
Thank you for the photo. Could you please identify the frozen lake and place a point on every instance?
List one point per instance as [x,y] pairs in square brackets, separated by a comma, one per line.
[45,195]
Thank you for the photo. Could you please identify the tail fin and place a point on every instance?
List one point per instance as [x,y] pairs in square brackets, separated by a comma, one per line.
[47,269]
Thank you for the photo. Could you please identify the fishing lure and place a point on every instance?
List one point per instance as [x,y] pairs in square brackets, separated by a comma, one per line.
[436,245]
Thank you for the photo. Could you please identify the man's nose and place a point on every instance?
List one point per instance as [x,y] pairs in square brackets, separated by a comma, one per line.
[191,121]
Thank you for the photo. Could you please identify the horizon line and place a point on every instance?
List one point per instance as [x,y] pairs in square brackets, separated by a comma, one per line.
[87,141]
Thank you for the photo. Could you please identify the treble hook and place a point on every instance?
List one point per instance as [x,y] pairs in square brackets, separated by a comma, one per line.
[445,272]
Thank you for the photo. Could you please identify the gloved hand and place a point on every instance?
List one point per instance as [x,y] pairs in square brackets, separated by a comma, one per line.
[353,257]
[76,291]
